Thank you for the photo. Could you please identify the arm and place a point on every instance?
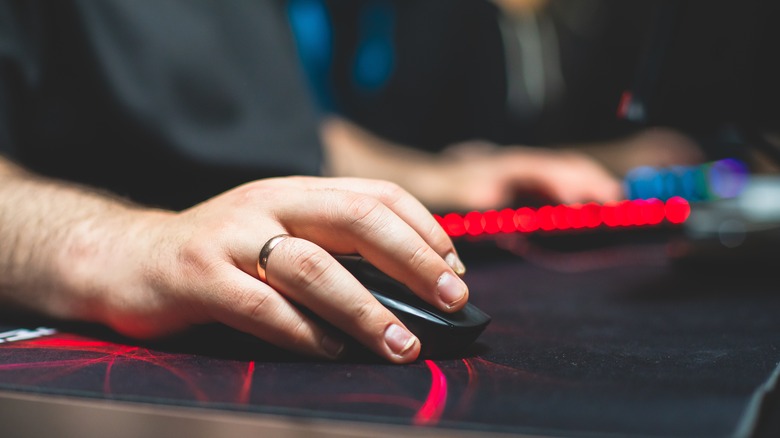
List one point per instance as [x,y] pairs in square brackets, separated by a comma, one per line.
[54,233]
[473,175]
[74,253]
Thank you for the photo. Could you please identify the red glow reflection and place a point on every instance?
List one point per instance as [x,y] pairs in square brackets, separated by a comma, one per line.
[94,355]
[115,370]
[247,385]
[431,410]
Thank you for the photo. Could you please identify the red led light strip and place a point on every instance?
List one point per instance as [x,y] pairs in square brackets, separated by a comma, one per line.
[630,213]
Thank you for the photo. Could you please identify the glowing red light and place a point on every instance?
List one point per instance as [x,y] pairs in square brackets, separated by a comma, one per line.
[632,213]
[526,220]
[559,217]
[575,216]
[491,222]
[453,224]
[591,214]
[474,223]
[653,211]
[610,215]
[626,213]
[544,218]
[507,220]
[677,210]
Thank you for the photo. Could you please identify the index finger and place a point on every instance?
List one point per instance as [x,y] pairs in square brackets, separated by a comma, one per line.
[408,208]
[348,222]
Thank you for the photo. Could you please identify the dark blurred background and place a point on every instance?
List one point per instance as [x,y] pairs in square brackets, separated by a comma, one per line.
[429,73]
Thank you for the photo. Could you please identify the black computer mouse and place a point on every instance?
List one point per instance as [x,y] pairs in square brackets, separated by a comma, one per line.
[440,333]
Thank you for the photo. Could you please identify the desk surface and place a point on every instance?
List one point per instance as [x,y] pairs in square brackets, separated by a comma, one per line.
[603,341]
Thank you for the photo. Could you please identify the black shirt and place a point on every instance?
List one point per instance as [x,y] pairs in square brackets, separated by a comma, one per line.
[167,102]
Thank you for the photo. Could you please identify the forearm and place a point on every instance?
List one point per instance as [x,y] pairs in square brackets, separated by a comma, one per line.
[469,175]
[355,152]
[60,243]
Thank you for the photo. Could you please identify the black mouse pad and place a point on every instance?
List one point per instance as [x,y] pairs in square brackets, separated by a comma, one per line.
[610,342]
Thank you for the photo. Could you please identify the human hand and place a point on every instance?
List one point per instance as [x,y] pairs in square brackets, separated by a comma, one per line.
[473,175]
[173,270]
[480,176]
[654,147]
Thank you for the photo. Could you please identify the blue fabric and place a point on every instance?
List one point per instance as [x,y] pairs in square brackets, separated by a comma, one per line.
[373,61]
[313,36]
[375,57]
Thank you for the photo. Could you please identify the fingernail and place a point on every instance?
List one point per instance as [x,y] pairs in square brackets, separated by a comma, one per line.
[451,289]
[399,339]
[332,346]
[455,263]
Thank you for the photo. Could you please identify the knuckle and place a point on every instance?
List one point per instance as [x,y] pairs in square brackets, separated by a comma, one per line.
[391,193]
[438,237]
[256,305]
[363,211]
[310,266]
[258,193]
[252,191]
[363,313]
[196,260]
[300,333]
[419,257]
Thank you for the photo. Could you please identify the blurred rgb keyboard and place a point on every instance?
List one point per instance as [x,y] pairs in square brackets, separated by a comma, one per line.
[654,196]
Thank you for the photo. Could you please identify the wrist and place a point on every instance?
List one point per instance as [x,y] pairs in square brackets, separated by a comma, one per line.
[105,263]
